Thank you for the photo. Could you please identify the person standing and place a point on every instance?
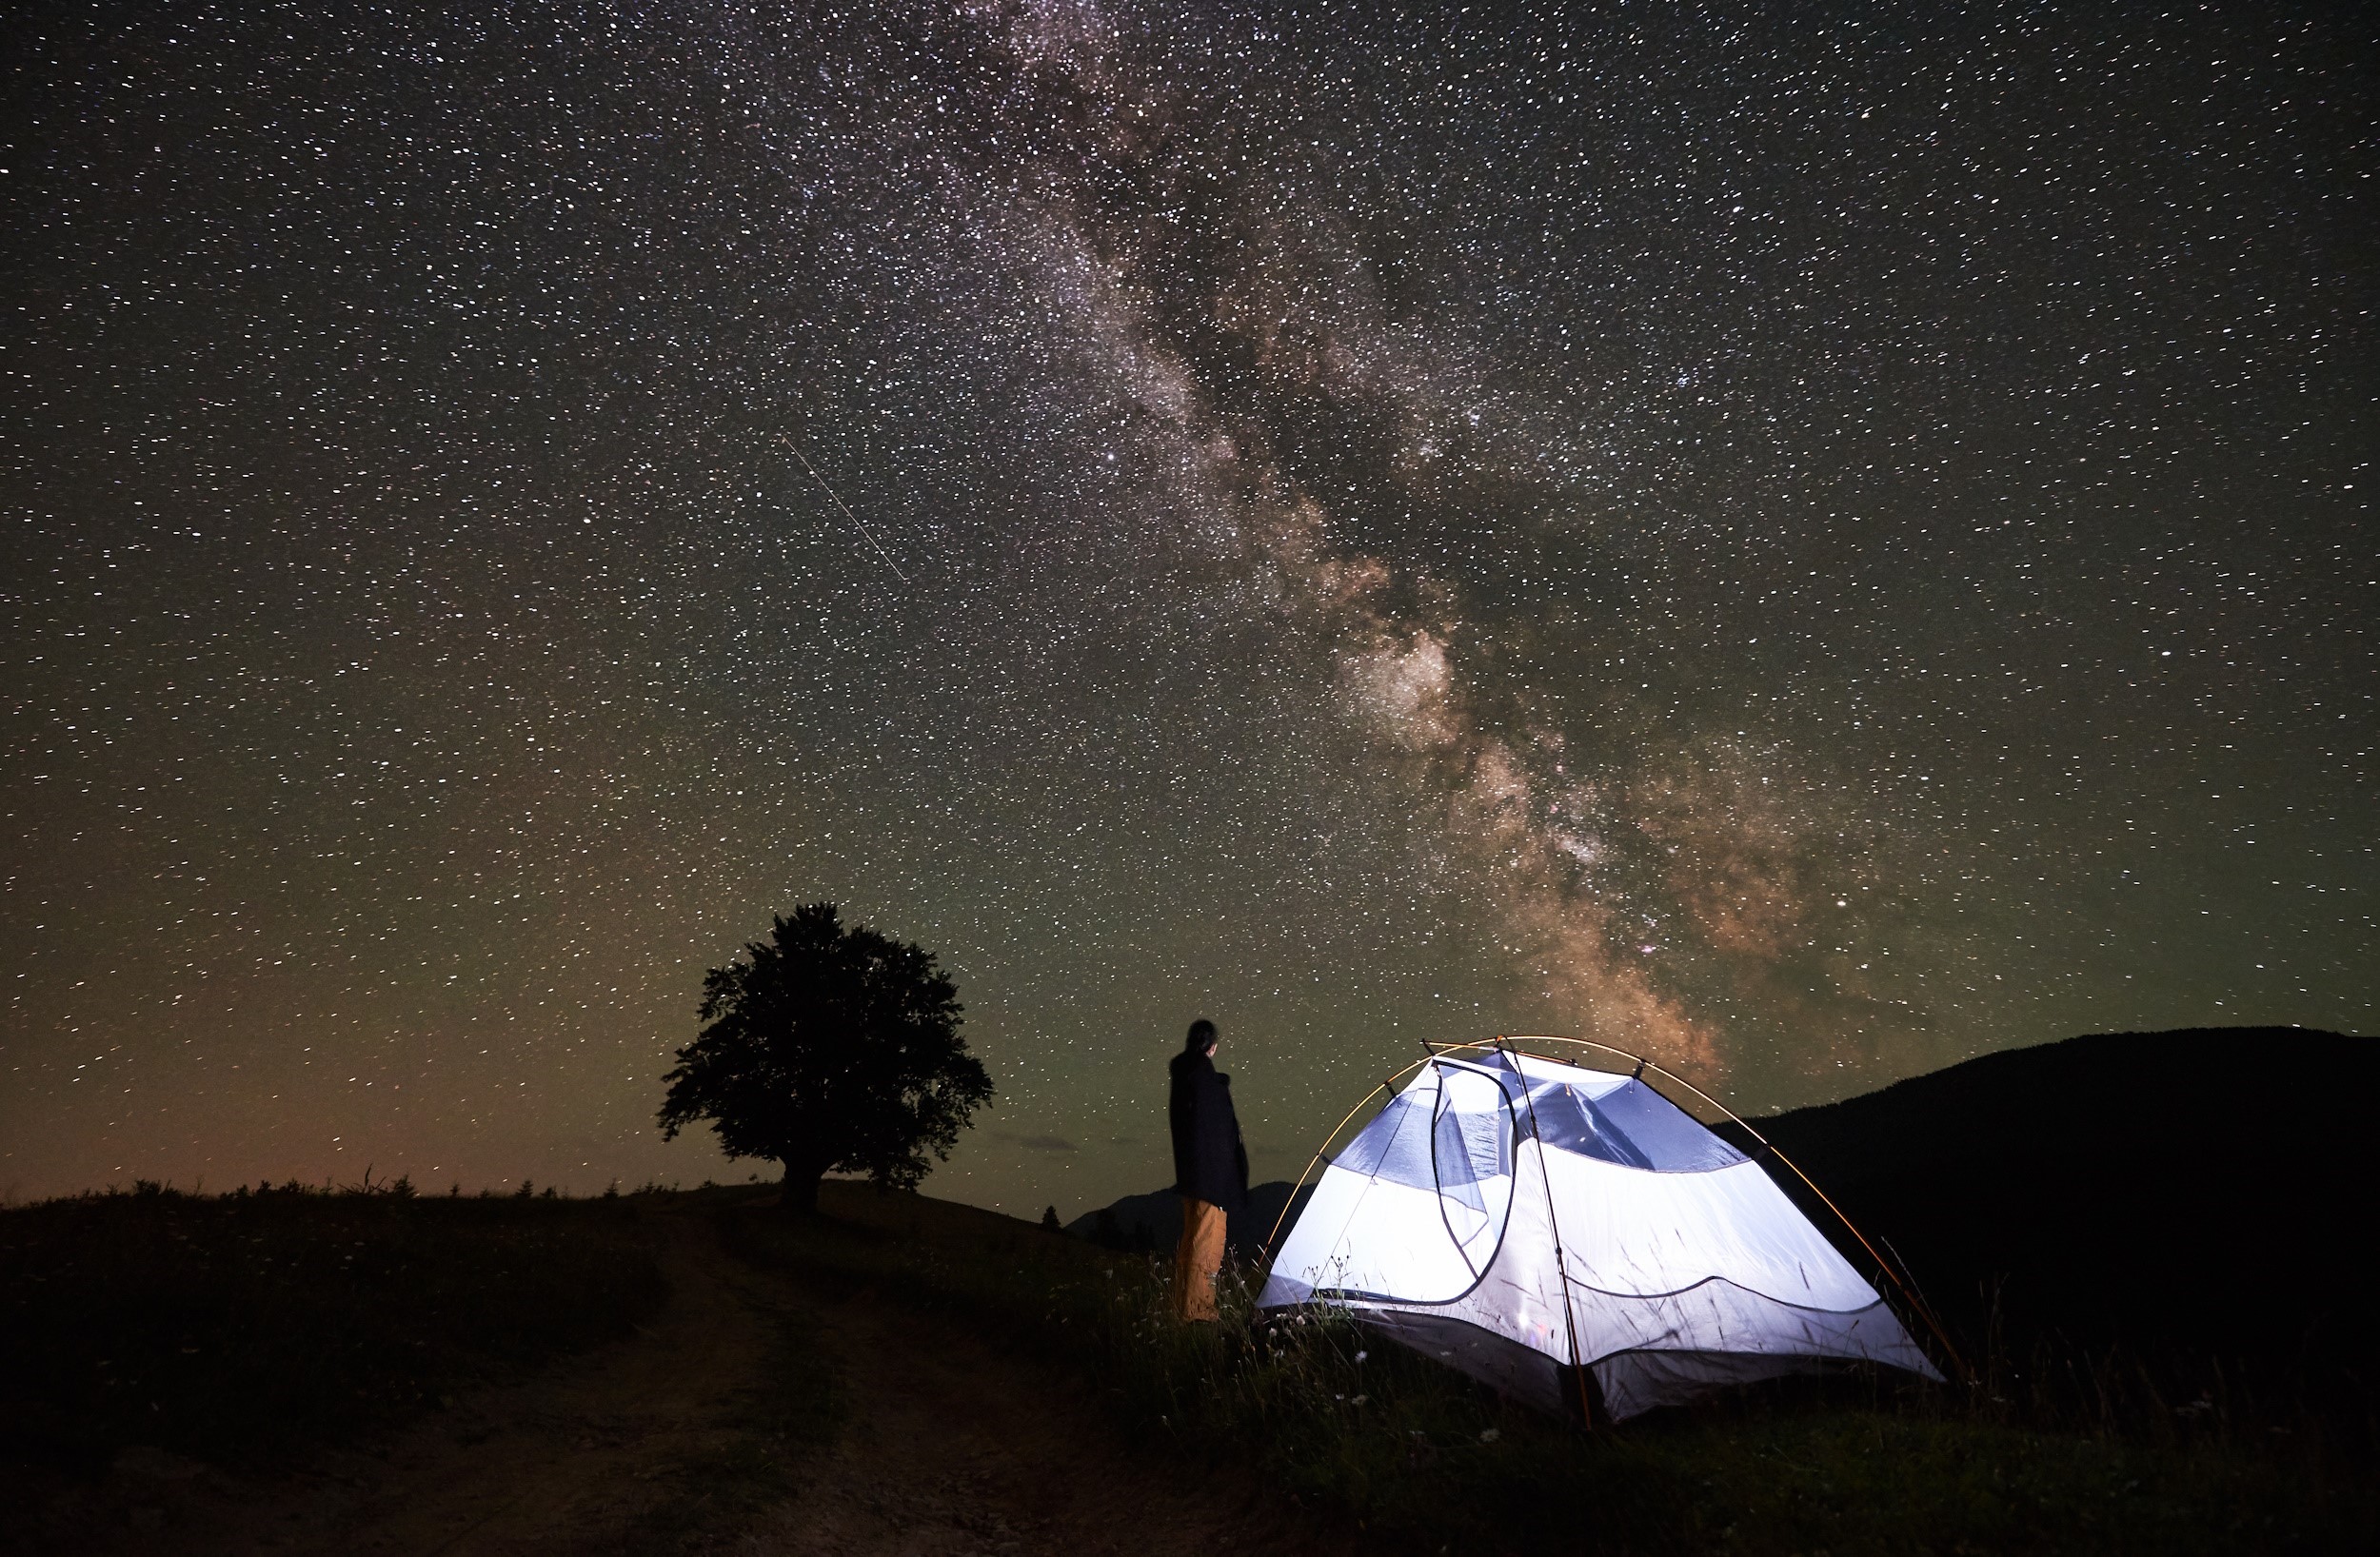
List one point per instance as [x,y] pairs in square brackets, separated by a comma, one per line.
[1210,1170]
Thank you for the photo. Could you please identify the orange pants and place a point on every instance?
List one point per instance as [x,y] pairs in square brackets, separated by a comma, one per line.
[1196,1259]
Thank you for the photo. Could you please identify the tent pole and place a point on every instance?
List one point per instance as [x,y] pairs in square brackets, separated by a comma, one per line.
[1562,1265]
[1924,1311]
[1390,1086]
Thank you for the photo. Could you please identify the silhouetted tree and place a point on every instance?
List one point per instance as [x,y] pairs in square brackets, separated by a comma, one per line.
[1049,1220]
[828,1050]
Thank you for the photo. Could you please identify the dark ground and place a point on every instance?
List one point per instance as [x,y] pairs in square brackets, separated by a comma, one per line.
[754,1411]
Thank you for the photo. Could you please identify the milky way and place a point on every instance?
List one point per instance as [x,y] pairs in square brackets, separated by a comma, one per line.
[1807,549]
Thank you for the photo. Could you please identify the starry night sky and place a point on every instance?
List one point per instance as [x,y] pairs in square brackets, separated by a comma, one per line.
[1811,544]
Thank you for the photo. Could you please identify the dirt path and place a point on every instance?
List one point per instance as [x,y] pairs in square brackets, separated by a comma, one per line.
[946,1448]
[953,1450]
[566,1462]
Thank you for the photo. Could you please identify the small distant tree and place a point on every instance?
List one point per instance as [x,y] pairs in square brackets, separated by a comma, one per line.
[829,1050]
[1049,1220]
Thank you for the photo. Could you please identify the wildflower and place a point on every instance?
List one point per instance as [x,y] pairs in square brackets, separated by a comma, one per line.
[1358,1400]
[1360,1355]
[1489,1436]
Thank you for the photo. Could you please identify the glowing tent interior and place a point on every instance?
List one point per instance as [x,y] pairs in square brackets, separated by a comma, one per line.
[1571,1236]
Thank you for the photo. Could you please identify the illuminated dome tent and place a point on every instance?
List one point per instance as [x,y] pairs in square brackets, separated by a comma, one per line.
[1564,1232]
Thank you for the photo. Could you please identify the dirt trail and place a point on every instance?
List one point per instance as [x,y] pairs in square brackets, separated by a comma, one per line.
[564,1462]
[954,1450]
[947,1448]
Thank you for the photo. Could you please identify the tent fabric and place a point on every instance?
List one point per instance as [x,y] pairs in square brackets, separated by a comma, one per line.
[1681,1266]
[1523,1372]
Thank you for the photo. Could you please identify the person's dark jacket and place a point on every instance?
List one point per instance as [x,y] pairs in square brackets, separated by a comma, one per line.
[1210,1164]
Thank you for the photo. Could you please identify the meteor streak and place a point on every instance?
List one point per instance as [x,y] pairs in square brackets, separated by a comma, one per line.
[847,513]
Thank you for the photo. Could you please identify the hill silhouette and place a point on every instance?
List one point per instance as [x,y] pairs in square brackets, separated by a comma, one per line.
[2198,1194]
[1153,1222]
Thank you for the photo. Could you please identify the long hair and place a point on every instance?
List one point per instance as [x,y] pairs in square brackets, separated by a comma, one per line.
[1202,1038]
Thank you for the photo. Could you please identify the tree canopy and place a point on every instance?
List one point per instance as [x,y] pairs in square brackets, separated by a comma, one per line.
[829,1050]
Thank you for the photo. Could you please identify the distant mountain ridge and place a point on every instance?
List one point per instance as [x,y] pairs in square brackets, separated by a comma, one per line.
[1153,1221]
[2201,1190]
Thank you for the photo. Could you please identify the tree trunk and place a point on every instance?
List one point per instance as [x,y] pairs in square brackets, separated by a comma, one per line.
[798,1196]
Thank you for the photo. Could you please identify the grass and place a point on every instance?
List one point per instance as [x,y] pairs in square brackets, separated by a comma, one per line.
[1369,1433]
[239,1325]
